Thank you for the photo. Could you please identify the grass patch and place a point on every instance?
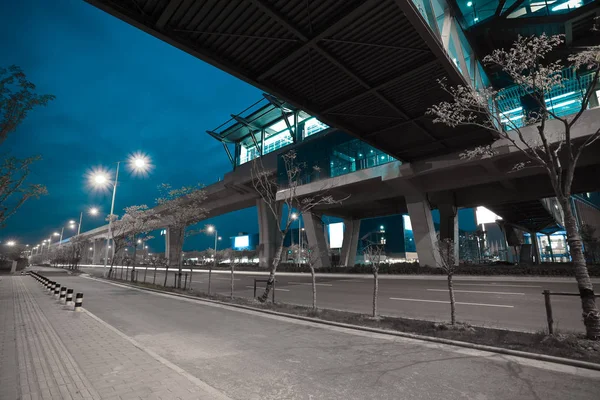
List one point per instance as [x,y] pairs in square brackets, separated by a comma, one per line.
[567,345]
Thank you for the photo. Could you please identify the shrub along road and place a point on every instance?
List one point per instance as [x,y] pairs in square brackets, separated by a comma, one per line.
[250,355]
[489,301]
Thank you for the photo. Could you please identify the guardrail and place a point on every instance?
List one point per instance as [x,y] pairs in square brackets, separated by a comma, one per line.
[548,303]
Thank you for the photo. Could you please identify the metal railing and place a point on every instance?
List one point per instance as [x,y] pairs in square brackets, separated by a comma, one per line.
[548,304]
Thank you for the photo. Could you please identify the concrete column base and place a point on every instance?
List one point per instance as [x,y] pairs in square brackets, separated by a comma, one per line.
[350,243]
[268,234]
[317,244]
[449,227]
[97,246]
[174,246]
[424,231]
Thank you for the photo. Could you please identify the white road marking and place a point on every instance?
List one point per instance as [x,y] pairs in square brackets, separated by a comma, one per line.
[310,284]
[281,290]
[458,302]
[493,284]
[474,291]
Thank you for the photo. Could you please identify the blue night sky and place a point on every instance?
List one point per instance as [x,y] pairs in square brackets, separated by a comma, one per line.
[118,90]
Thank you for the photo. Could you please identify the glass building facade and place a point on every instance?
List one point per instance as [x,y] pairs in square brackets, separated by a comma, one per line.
[514,103]
[477,12]
[334,153]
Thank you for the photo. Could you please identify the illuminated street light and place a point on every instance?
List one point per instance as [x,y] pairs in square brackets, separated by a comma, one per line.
[55,234]
[211,229]
[11,243]
[91,211]
[294,216]
[139,163]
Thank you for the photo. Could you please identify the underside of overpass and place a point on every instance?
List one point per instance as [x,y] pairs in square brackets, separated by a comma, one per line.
[368,67]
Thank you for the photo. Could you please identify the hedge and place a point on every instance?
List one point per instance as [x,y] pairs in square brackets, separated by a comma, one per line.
[547,269]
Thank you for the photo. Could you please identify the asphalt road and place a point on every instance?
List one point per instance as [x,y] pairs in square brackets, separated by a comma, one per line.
[250,355]
[486,301]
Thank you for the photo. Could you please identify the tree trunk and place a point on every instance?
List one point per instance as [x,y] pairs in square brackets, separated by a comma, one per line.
[166,275]
[375,289]
[180,258]
[145,273]
[452,301]
[154,279]
[191,273]
[262,298]
[591,316]
[210,275]
[232,268]
[314,286]
[134,259]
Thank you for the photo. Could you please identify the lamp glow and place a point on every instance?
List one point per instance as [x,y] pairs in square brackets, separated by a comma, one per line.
[139,163]
[94,211]
[11,243]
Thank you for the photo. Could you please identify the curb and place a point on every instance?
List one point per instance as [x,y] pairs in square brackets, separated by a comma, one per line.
[498,350]
[358,276]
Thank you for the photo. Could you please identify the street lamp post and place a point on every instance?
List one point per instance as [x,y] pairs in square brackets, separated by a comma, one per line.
[92,211]
[138,163]
[112,209]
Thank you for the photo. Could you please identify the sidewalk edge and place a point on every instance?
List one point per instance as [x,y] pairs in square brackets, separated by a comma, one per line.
[215,393]
[498,350]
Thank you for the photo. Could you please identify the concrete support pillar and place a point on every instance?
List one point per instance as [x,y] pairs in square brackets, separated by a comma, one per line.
[315,234]
[98,248]
[174,245]
[269,236]
[423,231]
[449,227]
[350,243]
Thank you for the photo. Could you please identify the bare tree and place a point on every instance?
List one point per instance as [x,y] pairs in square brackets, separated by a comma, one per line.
[445,247]
[311,257]
[373,253]
[554,150]
[234,258]
[218,256]
[139,221]
[178,209]
[17,98]
[119,239]
[75,248]
[156,262]
[266,185]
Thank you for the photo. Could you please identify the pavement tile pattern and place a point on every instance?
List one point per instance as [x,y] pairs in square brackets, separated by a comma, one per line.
[50,352]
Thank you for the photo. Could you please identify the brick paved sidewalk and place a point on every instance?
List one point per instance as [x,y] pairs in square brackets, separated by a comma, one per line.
[49,352]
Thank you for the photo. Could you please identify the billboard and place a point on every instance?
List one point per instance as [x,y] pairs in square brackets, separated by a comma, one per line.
[336,235]
[484,216]
[241,242]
